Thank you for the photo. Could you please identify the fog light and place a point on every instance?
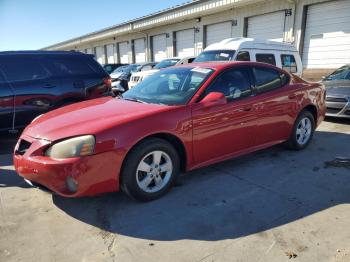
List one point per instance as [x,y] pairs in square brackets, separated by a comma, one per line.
[72,184]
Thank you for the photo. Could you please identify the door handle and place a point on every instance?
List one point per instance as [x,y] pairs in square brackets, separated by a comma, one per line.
[292,96]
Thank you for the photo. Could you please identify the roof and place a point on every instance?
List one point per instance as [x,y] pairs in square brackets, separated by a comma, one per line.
[250,43]
[41,52]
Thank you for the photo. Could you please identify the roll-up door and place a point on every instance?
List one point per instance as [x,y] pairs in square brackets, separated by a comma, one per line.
[327,35]
[185,43]
[100,54]
[268,26]
[159,47]
[123,52]
[110,54]
[140,50]
[218,32]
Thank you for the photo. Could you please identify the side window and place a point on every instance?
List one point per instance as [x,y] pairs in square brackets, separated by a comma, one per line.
[288,63]
[234,84]
[71,65]
[266,79]
[21,68]
[266,58]
[243,56]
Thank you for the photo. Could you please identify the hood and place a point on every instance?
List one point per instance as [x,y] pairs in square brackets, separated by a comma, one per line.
[89,117]
[338,88]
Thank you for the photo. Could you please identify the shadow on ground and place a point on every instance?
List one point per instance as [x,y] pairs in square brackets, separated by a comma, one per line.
[229,200]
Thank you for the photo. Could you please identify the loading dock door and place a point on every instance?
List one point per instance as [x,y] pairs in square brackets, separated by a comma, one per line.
[327,35]
[218,32]
[100,54]
[110,54]
[185,43]
[123,52]
[159,47]
[268,26]
[140,50]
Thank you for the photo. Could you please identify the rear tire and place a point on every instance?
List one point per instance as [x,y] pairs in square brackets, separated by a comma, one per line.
[302,132]
[150,170]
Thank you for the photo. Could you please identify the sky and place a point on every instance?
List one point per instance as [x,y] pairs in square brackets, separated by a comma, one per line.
[34,24]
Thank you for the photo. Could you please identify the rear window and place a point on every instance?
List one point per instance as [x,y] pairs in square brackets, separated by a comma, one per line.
[266,58]
[73,65]
[266,79]
[216,55]
[289,64]
[243,56]
[22,68]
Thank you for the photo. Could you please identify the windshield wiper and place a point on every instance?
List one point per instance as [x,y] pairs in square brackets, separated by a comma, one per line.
[134,100]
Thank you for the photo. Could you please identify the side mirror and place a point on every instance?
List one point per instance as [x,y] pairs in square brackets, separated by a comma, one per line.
[214,98]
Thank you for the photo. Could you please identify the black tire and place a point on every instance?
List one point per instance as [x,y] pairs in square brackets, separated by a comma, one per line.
[129,182]
[293,143]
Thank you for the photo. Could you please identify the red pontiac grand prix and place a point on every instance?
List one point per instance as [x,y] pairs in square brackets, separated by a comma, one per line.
[178,119]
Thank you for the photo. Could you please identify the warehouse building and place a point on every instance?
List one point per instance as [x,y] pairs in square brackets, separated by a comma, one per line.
[320,29]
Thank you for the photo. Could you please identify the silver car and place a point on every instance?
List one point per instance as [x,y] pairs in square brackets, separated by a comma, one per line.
[338,92]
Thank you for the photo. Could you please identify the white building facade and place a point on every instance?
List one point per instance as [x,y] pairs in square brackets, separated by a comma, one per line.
[320,29]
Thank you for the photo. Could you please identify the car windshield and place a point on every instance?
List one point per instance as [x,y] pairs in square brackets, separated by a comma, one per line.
[173,86]
[166,63]
[127,69]
[340,74]
[216,55]
[120,69]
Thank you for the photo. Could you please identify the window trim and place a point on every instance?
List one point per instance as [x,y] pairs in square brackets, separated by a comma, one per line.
[229,100]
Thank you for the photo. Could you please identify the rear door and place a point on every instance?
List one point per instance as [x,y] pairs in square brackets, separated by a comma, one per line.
[275,105]
[6,103]
[34,89]
[81,77]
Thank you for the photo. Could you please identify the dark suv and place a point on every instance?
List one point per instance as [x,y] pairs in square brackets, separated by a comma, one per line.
[34,82]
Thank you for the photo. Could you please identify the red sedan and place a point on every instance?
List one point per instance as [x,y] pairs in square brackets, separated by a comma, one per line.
[178,119]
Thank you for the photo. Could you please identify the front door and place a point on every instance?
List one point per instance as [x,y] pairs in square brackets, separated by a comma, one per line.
[223,130]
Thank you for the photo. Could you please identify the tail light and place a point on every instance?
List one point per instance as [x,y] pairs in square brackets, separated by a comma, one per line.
[107,82]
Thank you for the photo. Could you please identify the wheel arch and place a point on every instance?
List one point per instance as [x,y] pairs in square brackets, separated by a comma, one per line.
[170,138]
[313,110]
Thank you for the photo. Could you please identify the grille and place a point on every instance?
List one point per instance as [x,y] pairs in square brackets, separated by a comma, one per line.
[23,147]
[333,110]
[336,99]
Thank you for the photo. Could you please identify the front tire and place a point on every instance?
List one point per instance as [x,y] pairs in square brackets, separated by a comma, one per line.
[150,170]
[303,131]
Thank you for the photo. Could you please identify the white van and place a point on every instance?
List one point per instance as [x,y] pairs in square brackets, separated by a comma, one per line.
[282,55]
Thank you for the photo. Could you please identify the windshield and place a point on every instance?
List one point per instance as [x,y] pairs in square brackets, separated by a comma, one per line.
[216,55]
[173,86]
[166,63]
[340,74]
[127,69]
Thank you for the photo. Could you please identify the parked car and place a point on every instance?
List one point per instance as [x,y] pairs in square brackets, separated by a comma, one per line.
[180,118]
[338,92]
[282,55]
[34,82]
[138,77]
[111,67]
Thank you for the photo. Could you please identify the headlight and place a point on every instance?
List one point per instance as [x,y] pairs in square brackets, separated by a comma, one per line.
[73,147]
